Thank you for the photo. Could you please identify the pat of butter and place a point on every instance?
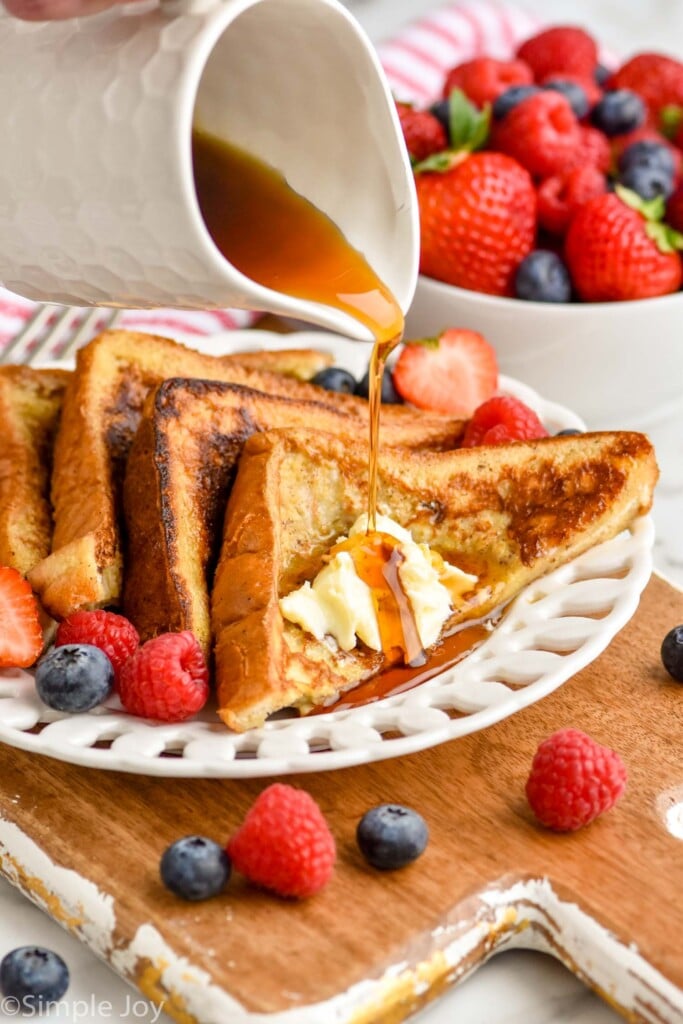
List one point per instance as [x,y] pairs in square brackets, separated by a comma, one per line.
[339,604]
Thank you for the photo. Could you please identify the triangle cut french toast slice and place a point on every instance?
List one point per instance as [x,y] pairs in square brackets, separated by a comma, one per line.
[30,404]
[101,411]
[178,476]
[507,514]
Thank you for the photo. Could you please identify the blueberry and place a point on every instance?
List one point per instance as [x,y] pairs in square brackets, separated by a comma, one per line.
[33,976]
[509,99]
[390,395]
[391,836]
[648,182]
[333,378]
[601,74]
[442,112]
[74,677]
[195,868]
[569,432]
[572,92]
[618,111]
[648,153]
[543,277]
[672,653]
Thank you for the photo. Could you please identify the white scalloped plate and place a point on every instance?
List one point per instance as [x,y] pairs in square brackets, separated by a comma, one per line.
[551,630]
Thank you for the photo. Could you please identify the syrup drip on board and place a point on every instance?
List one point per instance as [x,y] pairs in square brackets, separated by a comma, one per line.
[276,237]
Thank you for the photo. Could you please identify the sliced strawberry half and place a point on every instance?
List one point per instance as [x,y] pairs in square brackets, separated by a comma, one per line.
[452,374]
[21,638]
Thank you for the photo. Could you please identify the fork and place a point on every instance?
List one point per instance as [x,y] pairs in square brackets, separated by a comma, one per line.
[55,332]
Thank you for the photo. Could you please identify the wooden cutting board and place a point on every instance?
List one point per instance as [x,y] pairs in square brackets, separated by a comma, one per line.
[373,947]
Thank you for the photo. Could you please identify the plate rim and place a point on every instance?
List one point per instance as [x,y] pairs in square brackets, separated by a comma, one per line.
[255,766]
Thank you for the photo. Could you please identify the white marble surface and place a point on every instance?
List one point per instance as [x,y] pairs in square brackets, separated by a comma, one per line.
[514,988]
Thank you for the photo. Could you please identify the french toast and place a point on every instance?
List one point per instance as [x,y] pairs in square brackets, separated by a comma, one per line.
[101,411]
[178,474]
[507,514]
[30,404]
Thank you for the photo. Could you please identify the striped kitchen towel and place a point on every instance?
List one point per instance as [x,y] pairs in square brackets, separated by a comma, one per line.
[416,60]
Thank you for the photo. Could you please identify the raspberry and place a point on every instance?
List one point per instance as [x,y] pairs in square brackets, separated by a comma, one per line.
[500,420]
[541,133]
[565,49]
[573,780]
[594,149]
[484,79]
[284,843]
[423,133]
[115,636]
[560,197]
[166,678]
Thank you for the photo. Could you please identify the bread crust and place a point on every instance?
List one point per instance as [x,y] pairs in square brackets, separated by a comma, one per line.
[509,514]
[102,408]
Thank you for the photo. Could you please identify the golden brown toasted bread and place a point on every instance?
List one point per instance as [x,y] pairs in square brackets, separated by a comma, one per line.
[102,408]
[507,514]
[30,403]
[177,478]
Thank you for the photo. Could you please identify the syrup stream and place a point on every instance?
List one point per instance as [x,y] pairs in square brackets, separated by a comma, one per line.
[276,237]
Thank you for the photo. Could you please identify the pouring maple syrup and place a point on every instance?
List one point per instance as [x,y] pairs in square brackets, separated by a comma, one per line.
[278,238]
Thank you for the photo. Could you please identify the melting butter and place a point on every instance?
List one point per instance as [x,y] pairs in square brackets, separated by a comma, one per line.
[339,604]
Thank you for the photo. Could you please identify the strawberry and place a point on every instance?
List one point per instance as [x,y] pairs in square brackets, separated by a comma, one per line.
[484,79]
[656,78]
[562,49]
[478,220]
[674,209]
[423,133]
[21,636]
[542,133]
[452,374]
[617,248]
[560,197]
[500,420]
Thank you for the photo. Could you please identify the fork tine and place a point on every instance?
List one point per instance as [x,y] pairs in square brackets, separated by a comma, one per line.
[58,332]
[87,327]
[72,327]
[18,349]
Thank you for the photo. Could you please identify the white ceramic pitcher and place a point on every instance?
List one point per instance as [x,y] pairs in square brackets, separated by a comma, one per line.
[97,200]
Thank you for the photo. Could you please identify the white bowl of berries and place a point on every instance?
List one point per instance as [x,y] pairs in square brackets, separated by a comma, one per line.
[551,210]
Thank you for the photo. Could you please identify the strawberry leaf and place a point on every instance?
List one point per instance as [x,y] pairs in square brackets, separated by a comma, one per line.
[651,209]
[468,126]
[666,238]
[431,342]
[441,162]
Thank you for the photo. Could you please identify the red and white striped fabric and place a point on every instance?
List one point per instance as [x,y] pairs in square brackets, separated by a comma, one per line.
[15,311]
[415,63]
[416,60]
